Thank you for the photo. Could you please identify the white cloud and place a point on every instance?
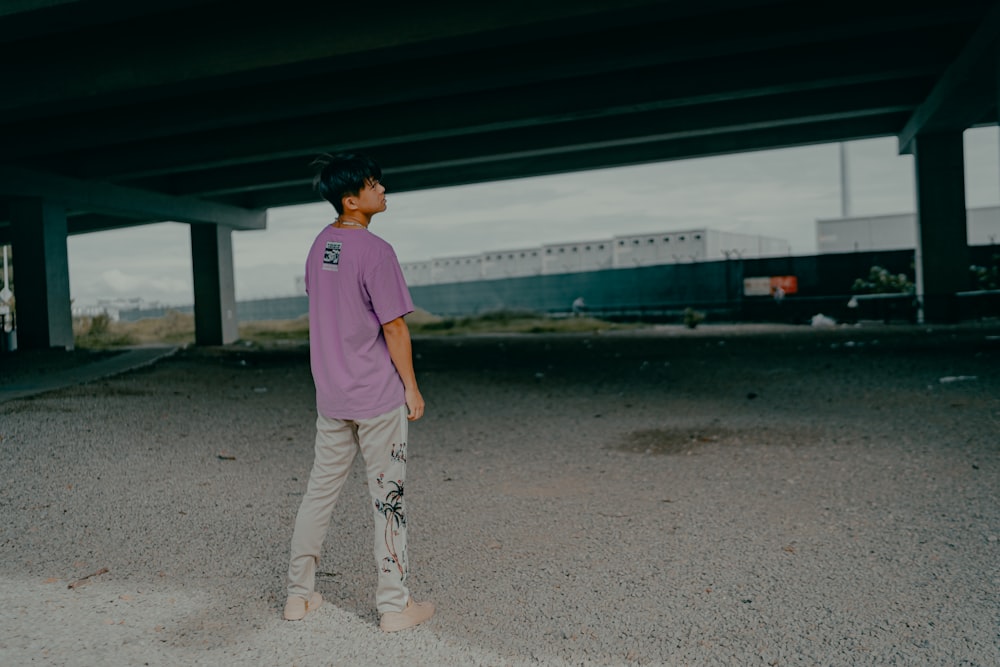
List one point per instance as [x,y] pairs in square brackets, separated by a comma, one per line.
[129,285]
[152,262]
[271,279]
[117,281]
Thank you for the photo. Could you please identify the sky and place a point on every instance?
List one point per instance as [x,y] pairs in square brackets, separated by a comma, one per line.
[779,193]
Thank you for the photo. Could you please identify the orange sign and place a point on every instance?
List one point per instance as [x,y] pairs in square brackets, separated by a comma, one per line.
[766,285]
[790,284]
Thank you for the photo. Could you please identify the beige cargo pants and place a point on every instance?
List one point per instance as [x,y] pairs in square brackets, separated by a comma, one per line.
[382,442]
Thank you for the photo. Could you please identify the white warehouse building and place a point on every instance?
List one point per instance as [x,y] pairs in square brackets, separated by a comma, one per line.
[508,263]
[897,232]
[575,257]
[627,251]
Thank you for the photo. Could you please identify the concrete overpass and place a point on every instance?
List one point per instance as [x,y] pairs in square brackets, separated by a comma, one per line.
[116,113]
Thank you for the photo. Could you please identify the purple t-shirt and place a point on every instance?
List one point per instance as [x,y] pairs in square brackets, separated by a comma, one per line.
[355,286]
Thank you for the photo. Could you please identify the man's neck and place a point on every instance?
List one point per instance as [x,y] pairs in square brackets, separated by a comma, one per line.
[341,221]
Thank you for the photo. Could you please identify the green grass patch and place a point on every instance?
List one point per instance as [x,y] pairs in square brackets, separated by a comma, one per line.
[273,331]
[101,333]
[511,321]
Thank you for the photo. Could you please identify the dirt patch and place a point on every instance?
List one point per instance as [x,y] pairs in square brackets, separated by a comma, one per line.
[559,487]
[683,441]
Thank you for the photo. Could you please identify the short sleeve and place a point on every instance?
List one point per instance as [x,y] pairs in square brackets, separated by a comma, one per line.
[390,297]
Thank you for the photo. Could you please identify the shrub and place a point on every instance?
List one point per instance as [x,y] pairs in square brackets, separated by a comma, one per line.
[692,318]
[987,277]
[100,332]
[511,321]
[881,281]
[99,324]
[269,331]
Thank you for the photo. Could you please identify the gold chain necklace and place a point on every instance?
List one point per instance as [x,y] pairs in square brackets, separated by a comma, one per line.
[349,223]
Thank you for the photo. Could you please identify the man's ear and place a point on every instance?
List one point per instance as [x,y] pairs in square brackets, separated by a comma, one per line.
[349,202]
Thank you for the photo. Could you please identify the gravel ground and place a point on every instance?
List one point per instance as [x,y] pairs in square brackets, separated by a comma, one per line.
[723,496]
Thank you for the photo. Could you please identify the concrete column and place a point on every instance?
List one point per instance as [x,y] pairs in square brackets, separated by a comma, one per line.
[942,256]
[215,320]
[44,312]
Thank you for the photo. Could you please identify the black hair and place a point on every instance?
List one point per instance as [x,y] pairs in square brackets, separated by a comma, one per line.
[343,174]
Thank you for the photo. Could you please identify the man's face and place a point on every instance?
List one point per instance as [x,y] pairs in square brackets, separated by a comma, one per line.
[371,199]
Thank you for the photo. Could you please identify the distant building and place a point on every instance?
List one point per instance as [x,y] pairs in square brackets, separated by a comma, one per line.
[574,257]
[897,232]
[467,267]
[698,245]
[626,251]
[509,263]
[110,307]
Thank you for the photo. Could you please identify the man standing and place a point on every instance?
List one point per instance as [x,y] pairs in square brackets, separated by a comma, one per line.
[366,389]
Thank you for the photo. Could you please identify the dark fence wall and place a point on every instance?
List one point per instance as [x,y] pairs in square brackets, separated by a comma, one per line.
[286,308]
[664,292]
[136,314]
[280,308]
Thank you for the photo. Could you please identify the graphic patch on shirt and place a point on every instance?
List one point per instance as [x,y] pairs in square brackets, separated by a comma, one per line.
[331,256]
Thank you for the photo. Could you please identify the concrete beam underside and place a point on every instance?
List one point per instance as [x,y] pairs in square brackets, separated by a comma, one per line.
[125,202]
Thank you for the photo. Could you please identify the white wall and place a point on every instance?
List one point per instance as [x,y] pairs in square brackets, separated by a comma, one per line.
[456,269]
[578,256]
[897,232]
[984,225]
[730,245]
[695,245]
[512,263]
[417,273]
[650,249]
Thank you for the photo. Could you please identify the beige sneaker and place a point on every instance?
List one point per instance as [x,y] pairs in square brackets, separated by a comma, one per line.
[297,606]
[415,613]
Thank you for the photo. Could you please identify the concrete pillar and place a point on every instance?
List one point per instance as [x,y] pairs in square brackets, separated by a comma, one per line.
[942,256]
[44,312]
[215,320]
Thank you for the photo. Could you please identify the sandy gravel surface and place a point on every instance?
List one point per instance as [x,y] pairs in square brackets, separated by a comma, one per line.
[725,496]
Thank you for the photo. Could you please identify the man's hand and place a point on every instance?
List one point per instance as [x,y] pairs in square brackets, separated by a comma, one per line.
[414,404]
